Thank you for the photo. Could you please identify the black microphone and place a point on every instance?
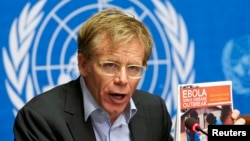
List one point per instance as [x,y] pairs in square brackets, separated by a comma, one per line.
[193,125]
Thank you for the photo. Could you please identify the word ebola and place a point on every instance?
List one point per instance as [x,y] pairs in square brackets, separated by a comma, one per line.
[194,98]
[191,93]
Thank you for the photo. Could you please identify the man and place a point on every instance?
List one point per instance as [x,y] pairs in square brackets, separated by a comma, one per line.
[103,103]
[212,120]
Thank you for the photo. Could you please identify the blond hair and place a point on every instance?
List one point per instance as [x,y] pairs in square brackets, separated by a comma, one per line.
[116,26]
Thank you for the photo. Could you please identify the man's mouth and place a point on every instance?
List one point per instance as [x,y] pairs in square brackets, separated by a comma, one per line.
[118,98]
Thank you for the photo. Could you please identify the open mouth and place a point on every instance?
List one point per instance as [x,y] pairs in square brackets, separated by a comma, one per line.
[118,96]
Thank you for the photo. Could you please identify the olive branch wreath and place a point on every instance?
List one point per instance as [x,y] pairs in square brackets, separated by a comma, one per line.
[182,50]
[16,60]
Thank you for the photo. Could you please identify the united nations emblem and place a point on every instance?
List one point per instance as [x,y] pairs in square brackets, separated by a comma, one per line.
[45,41]
[236,64]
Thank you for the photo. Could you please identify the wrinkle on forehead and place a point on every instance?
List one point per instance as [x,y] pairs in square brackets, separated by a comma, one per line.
[109,47]
[122,51]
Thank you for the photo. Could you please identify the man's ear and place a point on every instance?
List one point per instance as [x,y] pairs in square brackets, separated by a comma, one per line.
[82,64]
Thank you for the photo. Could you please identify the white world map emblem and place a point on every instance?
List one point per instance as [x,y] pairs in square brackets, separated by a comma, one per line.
[49,46]
[236,64]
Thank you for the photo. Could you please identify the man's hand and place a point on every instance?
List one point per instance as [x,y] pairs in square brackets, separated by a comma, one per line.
[236,119]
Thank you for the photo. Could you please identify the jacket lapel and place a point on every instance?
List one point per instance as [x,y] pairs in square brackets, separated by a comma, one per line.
[74,111]
[81,130]
[138,124]
[138,128]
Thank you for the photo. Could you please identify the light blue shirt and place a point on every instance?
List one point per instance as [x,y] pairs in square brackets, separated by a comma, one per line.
[104,131]
[218,122]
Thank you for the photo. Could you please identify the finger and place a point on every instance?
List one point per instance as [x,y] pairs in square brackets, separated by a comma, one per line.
[240,121]
[235,114]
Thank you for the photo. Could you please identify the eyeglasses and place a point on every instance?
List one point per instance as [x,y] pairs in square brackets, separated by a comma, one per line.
[111,69]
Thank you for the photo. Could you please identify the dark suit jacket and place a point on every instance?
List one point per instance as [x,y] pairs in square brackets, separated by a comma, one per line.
[58,115]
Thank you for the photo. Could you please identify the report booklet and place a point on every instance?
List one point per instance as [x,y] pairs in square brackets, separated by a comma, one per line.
[208,103]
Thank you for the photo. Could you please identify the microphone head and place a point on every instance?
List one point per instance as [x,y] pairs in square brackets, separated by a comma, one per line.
[191,124]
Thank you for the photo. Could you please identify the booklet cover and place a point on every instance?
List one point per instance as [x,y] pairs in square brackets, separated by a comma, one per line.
[207,103]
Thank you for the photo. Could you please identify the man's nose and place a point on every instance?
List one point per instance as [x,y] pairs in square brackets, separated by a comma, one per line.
[123,75]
